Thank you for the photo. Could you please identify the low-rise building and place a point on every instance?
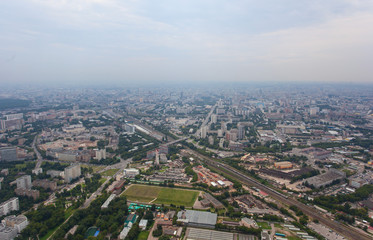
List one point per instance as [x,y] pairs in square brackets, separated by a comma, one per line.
[44,183]
[27,192]
[131,172]
[7,233]
[143,223]
[107,202]
[325,179]
[19,222]
[214,202]
[197,218]
[283,165]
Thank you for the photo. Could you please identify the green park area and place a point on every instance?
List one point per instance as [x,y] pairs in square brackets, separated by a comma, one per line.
[109,173]
[161,195]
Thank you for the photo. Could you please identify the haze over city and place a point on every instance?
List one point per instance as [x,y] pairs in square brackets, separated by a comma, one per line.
[125,42]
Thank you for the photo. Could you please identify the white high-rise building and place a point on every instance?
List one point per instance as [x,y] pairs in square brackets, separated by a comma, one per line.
[24,182]
[241,132]
[8,206]
[214,118]
[204,132]
[100,154]
[72,172]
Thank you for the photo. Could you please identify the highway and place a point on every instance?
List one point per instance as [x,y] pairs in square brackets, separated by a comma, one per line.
[207,119]
[38,155]
[347,231]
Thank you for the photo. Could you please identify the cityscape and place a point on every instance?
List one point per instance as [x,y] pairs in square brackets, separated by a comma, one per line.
[290,162]
[186,120]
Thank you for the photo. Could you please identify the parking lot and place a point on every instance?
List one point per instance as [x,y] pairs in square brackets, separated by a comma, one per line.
[325,232]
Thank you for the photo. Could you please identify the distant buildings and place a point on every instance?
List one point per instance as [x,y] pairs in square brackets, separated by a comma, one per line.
[8,154]
[8,206]
[12,122]
[72,172]
[129,128]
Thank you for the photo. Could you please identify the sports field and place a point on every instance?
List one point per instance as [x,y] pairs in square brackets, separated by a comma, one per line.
[161,195]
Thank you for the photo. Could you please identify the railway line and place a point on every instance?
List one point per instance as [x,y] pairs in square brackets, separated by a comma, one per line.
[347,231]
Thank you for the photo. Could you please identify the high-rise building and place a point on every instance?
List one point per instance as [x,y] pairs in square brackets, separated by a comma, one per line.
[214,118]
[314,111]
[72,172]
[8,154]
[241,132]
[100,154]
[8,206]
[24,182]
[204,132]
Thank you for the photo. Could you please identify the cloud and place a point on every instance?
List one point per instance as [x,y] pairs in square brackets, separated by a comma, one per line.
[209,40]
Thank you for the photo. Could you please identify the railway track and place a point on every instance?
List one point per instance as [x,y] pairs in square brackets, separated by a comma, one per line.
[347,231]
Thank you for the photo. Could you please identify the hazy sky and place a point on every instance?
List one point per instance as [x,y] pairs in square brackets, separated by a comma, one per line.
[132,41]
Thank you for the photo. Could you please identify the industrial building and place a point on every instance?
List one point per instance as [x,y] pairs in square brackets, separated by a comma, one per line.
[205,234]
[213,201]
[326,178]
[283,165]
[194,218]
[8,206]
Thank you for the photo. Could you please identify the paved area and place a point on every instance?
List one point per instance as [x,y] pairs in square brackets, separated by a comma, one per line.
[325,231]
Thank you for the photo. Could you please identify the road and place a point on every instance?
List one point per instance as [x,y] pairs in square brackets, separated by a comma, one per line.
[347,231]
[206,120]
[38,155]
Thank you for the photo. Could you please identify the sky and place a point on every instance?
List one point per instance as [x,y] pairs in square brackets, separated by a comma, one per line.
[126,42]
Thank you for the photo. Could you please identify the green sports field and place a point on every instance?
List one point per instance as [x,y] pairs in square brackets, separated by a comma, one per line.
[161,195]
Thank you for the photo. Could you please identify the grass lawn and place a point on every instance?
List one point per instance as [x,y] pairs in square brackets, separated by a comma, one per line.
[95,168]
[109,173]
[143,235]
[264,225]
[163,195]
[49,233]
[278,225]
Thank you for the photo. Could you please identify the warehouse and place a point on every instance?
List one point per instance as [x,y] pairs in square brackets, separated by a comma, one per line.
[197,218]
[283,165]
